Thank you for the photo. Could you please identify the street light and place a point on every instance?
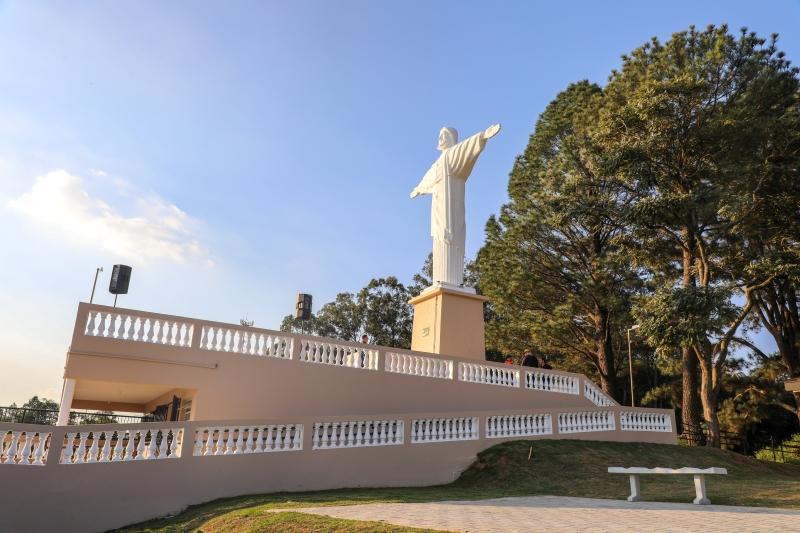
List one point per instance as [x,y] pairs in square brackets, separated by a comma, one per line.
[630,360]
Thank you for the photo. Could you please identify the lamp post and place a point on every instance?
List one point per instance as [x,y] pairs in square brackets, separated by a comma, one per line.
[630,361]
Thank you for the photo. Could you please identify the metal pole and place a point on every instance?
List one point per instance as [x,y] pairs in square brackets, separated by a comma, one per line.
[94,285]
[630,361]
[115,299]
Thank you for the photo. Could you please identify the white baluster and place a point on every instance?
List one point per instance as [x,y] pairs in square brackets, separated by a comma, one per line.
[230,443]
[197,449]
[270,442]
[316,441]
[11,451]
[140,445]
[259,440]
[239,441]
[38,455]
[162,448]
[129,447]
[105,455]
[81,452]
[248,445]
[216,447]
[151,446]
[173,445]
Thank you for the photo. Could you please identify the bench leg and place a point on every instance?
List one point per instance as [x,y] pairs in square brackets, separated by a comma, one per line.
[636,495]
[700,490]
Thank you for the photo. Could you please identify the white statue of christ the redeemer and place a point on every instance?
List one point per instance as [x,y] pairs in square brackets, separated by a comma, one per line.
[445,180]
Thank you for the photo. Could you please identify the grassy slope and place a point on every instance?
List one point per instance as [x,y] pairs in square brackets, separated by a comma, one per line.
[562,468]
[288,522]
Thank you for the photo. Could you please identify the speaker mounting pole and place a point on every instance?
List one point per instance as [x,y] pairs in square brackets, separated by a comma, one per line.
[94,285]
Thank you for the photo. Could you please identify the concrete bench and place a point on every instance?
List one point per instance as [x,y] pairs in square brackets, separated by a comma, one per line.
[699,479]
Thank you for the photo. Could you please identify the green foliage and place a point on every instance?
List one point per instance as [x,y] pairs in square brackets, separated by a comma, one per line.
[671,196]
[702,131]
[40,411]
[786,452]
[44,403]
[753,398]
[673,317]
[387,314]
[380,310]
[551,262]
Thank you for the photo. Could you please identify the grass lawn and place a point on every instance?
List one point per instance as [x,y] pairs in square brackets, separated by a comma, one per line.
[557,467]
[288,522]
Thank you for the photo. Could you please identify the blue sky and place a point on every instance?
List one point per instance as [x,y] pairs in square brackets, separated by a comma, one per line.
[236,153]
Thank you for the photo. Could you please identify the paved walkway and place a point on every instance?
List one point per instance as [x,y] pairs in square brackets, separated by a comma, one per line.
[552,513]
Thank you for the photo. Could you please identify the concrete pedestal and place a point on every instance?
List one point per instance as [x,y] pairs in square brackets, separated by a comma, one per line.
[449,321]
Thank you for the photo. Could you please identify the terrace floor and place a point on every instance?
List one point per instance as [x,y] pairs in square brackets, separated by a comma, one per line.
[556,513]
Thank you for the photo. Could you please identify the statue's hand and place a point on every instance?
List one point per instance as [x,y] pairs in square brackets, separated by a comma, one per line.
[491,131]
[414,193]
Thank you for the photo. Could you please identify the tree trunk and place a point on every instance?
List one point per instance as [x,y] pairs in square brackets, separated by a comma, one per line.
[797,405]
[605,355]
[708,395]
[690,406]
[778,311]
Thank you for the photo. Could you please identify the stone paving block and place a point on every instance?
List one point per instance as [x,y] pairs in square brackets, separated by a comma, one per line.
[562,514]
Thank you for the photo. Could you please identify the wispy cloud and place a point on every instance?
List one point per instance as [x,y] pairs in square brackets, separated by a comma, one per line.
[158,229]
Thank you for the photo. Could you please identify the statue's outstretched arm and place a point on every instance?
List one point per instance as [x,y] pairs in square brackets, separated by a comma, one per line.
[425,185]
[491,131]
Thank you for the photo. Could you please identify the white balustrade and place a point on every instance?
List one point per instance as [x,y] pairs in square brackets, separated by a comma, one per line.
[444,429]
[418,365]
[586,421]
[357,434]
[488,374]
[24,447]
[550,382]
[645,421]
[519,425]
[328,353]
[123,326]
[596,396]
[235,440]
[245,341]
[119,445]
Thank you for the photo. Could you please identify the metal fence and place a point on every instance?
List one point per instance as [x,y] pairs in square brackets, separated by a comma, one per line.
[48,417]
[743,443]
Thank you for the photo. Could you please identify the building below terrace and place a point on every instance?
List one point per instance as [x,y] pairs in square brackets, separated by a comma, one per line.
[248,410]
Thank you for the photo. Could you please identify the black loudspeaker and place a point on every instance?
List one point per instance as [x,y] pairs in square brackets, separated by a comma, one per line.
[303,308]
[120,279]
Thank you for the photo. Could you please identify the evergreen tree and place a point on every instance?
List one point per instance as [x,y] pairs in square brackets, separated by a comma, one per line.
[689,126]
[551,264]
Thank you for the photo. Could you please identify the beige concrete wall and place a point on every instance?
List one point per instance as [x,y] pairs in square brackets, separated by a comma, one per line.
[109,406]
[236,386]
[100,496]
[447,321]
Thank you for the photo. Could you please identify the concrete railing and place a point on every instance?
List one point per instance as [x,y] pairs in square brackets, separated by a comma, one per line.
[645,421]
[356,434]
[597,396]
[127,444]
[76,476]
[25,444]
[124,325]
[233,440]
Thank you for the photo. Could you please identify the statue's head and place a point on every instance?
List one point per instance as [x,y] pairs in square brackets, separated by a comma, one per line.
[447,137]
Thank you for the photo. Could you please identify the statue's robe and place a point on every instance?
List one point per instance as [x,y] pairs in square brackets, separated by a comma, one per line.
[446,180]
